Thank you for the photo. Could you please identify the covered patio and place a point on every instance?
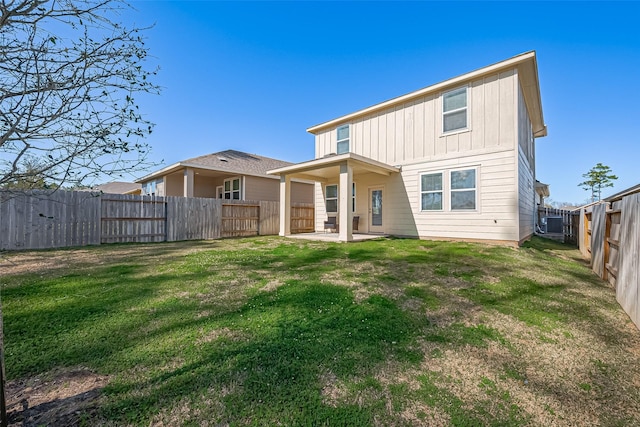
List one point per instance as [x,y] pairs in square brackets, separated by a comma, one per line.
[341,169]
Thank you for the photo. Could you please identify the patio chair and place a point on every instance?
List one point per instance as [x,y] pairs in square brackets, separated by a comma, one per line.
[330,224]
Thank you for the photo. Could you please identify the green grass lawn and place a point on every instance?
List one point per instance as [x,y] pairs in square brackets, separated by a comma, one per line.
[269,331]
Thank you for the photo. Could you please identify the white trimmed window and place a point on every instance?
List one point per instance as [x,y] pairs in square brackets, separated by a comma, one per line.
[331,198]
[342,139]
[454,110]
[431,191]
[463,190]
[232,189]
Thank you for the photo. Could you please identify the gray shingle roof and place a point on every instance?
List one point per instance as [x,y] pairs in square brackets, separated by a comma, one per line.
[238,162]
[118,187]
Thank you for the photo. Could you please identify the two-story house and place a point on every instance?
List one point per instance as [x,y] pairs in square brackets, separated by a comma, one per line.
[455,160]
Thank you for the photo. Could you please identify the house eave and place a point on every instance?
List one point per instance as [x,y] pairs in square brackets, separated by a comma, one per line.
[527,70]
[307,168]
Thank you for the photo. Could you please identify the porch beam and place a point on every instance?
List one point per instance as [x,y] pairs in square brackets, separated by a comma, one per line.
[308,177]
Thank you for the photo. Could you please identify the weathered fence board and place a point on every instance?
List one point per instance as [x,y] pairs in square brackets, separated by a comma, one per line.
[129,218]
[610,237]
[240,219]
[269,218]
[42,220]
[302,218]
[598,218]
[584,241]
[628,265]
[193,218]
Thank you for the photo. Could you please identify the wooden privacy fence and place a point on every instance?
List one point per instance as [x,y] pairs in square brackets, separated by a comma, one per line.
[610,237]
[40,220]
[560,222]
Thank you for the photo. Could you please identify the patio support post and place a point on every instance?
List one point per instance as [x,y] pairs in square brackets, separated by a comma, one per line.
[188,182]
[285,205]
[346,214]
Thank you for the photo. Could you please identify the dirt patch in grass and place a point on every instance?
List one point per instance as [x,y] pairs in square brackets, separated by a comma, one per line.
[63,397]
[50,261]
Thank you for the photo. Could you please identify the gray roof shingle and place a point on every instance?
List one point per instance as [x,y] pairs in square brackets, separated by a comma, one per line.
[238,162]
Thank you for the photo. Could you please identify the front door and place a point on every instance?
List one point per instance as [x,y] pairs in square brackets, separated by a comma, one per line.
[375,210]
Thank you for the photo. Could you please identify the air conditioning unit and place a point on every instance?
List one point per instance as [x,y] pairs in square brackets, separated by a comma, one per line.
[552,224]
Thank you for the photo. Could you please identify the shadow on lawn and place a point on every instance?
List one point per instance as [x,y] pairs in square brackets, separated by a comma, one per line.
[269,371]
[278,350]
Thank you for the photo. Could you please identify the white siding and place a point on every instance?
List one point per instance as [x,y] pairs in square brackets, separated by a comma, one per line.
[321,211]
[413,131]
[410,135]
[495,217]
[526,197]
[526,171]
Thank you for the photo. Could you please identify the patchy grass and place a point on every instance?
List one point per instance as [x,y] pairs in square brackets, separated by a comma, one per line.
[268,331]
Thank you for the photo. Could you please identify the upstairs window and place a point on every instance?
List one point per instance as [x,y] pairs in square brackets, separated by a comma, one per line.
[454,110]
[463,190]
[331,198]
[343,139]
[231,189]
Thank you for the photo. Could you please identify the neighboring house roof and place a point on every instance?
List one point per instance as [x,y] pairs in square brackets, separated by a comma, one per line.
[230,161]
[118,187]
[527,71]
[621,194]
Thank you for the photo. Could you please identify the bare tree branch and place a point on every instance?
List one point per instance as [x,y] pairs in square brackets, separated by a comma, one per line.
[69,74]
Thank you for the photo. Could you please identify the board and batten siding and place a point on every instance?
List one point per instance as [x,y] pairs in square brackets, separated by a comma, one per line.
[499,143]
[493,219]
[526,172]
[320,208]
[526,198]
[413,131]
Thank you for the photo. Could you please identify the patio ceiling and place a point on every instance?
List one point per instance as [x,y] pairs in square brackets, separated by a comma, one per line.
[327,168]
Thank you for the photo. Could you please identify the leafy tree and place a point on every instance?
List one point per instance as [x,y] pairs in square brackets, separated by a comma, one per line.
[69,73]
[596,179]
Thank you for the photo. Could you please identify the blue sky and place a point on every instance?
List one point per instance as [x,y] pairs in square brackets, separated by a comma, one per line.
[253,76]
